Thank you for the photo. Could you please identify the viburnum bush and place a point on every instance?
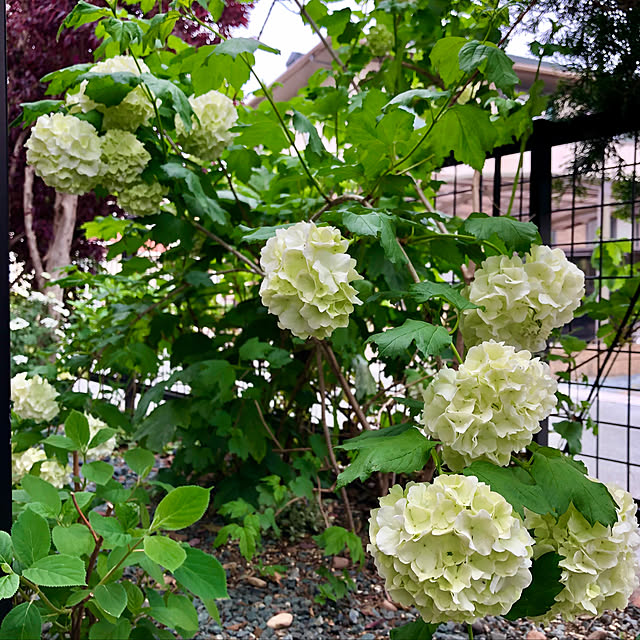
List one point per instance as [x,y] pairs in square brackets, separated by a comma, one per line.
[284,262]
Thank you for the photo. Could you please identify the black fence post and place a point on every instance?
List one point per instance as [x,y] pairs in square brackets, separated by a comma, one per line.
[5,351]
[540,212]
[497,186]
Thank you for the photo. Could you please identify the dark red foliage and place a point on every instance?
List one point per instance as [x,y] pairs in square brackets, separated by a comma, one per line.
[32,52]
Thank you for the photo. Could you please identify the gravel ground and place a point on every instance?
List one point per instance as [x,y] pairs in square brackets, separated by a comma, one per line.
[364,614]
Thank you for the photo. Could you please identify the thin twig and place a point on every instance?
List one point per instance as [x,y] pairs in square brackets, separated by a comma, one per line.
[266,426]
[355,405]
[410,267]
[96,537]
[347,197]
[327,437]
[324,515]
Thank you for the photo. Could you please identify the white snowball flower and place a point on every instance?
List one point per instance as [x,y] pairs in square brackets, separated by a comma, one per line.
[79,101]
[210,134]
[136,108]
[523,301]
[65,152]
[599,564]
[33,398]
[18,323]
[489,408]
[454,549]
[103,450]
[123,160]
[55,473]
[21,463]
[142,198]
[20,359]
[306,285]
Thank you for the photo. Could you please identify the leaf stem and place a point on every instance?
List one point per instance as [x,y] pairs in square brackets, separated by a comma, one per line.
[436,461]
[470,631]
[36,588]
[455,353]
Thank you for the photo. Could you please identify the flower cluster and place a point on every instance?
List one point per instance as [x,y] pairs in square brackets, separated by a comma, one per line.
[490,407]
[142,198]
[380,40]
[33,398]
[599,564]
[522,301]
[123,160]
[65,152]
[210,135]
[22,463]
[136,108]
[55,473]
[103,450]
[307,279]
[454,549]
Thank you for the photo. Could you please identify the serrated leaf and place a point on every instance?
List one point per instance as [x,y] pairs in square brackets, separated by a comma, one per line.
[59,81]
[425,290]
[109,89]
[164,551]
[516,235]
[498,67]
[57,571]
[563,484]
[73,540]
[203,575]
[178,613]
[23,622]
[31,538]
[110,529]
[263,233]
[6,547]
[83,13]
[76,426]
[302,124]
[429,339]
[98,472]
[514,484]
[540,595]
[171,95]
[31,111]
[235,46]
[140,461]
[571,431]
[444,57]
[111,597]
[124,32]
[407,97]
[9,585]
[400,449]
[417,630]
[180,508]
[41,491]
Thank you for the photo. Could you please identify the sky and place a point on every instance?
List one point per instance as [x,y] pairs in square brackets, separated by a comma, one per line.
[284,30]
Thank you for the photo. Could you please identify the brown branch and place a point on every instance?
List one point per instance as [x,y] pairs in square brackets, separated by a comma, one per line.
[96,537]
[437,81]
[32,242]
[355,405]
[266,426]
[347,197]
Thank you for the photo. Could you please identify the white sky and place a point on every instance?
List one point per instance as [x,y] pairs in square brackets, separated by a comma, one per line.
[285,31]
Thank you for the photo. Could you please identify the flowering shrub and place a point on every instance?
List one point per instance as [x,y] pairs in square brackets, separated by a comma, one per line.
[490,407]
[123,160]
[33,398]
[65,153]
[307,276]
[522,302]
[453,549]
[210,134]
[599,564]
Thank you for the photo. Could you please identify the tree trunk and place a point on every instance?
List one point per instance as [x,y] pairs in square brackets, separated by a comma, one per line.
[64,223]
[32,242]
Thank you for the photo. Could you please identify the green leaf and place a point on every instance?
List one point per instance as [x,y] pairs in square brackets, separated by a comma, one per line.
[57,571]
[76,427]
[401,448]
[82,13]
[111,597]
[171,95]
[41,491]
[31,538]
[302,124]
[571,431]
[177,613]
[22,623]
[514,484]
[135,597]
[98,472]
[104,630]
[429,339]
[62,442]
[110,529]
[31,111]
[9,585]
[235,46]
[540,595]
[6,547]
[109,89]
[407,97]
[516,235]
[140,461]
[59,81]
[203,575]
[263,233]
[164,551]
[180,508]
[571,344]
[363,224]
[425,290]
[73,540]
[495,64]
[467,131]
[444,57]
[101,437]
[124,32]
[417,630]
[563,484]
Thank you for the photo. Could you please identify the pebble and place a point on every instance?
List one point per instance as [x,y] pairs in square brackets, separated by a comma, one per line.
[281,620]
[597,634]
[354,616]
[534,634]
[256,582]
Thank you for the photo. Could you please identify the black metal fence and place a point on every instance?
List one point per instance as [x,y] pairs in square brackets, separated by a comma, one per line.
[595,219]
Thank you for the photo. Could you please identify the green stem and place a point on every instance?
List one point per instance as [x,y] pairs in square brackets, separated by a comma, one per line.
[457,236]
[436,461]
[455,353]
[470,631]
[34,587]
[514,188]
[117,566]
